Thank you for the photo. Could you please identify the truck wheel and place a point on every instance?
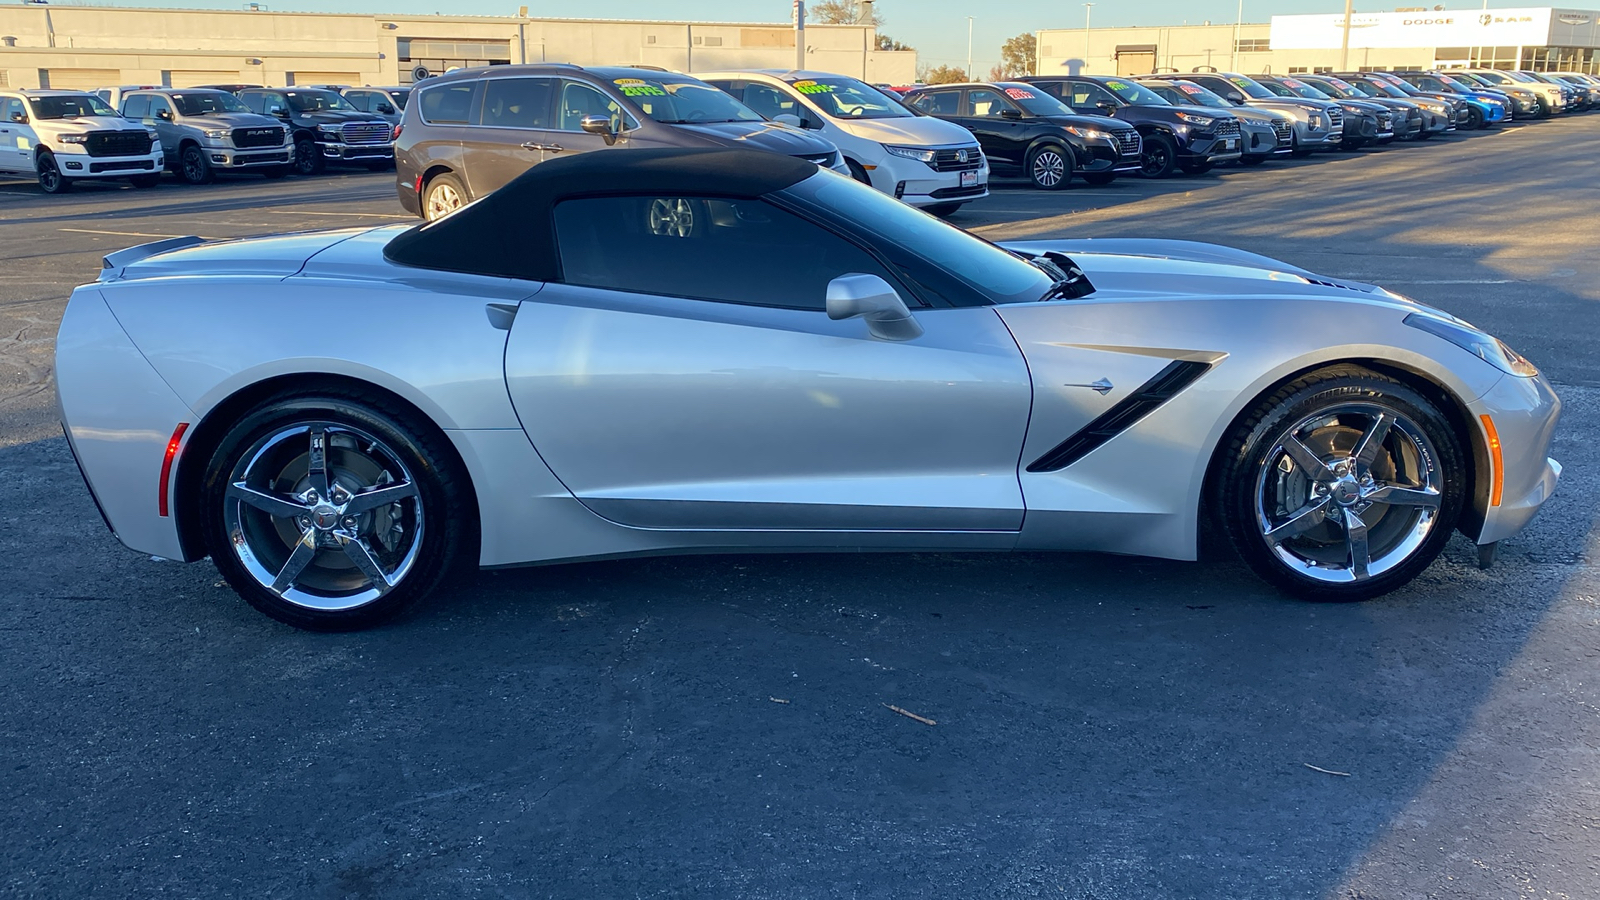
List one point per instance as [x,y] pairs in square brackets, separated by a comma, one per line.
[51,181]
[1159,158]
[193,167]
[308,156]
[145,181]
[1049,167]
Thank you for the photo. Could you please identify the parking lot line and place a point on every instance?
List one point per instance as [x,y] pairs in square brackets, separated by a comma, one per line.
[122,233]
[280,212]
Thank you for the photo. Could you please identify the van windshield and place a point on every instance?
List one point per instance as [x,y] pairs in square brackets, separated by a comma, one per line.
[847,98]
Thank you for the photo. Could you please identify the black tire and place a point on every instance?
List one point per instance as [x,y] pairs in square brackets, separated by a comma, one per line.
[436,194]
[308,156]
[1099,179]
[943,210]
[1255,470]
[1425,135]
[1476,120]
[858,171]
[1298,150]
[1253,160]
[1159,158]
[1049,167]
[1198,166]
[145,181]
[1545,111]
[193,167]
[434,527]
[275,172]
[51,181]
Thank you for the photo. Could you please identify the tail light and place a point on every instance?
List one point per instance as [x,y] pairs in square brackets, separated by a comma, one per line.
[397,128]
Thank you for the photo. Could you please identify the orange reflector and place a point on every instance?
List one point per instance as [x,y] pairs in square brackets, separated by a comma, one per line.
[1496,461]
[166,467]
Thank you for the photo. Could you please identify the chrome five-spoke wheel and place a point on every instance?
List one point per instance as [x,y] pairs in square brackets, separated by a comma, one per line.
[325,516]
[1348,493]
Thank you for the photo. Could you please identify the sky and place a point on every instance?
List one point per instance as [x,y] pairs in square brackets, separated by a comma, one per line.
[937,28]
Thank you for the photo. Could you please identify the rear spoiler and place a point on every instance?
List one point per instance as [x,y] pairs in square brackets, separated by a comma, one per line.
[113,263]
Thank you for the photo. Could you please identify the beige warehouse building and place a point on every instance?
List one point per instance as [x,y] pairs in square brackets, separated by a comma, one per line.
[1538,38]
[85,47]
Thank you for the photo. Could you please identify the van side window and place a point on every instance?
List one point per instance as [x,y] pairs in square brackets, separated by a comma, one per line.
[514,102]
[449,104]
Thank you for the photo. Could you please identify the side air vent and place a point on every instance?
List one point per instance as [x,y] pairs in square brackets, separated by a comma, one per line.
[1123,415]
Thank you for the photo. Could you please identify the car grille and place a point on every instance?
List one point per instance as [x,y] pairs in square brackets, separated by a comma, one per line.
[1336,119]
[824,160]
[1385,121]
[948,193]
[949,159]
[257,137]
[1285,133]
[118,143]
[1227,128]
[1128,143]
[367,133]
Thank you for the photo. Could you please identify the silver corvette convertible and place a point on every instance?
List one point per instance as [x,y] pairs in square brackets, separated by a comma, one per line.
[709,351]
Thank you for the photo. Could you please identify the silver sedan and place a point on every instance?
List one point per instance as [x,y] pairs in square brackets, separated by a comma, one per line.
[727,351]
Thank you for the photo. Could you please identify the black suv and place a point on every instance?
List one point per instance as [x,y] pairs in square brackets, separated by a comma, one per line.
[1021,128]
[326,128]
[1173,137]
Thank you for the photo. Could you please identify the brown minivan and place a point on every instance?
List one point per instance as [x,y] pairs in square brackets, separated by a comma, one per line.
[469,132]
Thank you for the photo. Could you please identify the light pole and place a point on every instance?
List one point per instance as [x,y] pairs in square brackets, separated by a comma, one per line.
[1087,9]
[1344,45]
[969,48]
[1238,23]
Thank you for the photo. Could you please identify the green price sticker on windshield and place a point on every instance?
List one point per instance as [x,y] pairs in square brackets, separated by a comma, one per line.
[1116,85]
[811,87]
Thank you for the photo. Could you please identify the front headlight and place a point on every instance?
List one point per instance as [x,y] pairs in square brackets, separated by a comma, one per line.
[331,131]
[920,154]
[1486,347]
[1196,119]
[73,138]
[1090,134]
[215,134]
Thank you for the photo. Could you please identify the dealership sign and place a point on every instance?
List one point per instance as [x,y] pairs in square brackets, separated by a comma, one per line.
[1429,28]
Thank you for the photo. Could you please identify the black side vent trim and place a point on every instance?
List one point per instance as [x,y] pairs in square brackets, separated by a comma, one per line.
[1166,384]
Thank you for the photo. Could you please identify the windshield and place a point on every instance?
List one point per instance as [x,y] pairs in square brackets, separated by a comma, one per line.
[673,102]
[206,102]
[1250,87]
[1364,89]
[1345,92]
[317,101]
[999,275]
[69,107]
[1034,102]
[1135,94]
[1200,96]
[1303,89]
[847,98]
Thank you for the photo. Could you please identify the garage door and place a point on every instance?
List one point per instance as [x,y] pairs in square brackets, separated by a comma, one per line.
[350,78]
[193,77]
[79,79]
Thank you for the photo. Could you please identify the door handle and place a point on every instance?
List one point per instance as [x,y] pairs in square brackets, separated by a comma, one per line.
[501,315]
[552,148]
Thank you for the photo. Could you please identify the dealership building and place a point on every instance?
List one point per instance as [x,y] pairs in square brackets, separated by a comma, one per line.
[1541,39]
[85,47]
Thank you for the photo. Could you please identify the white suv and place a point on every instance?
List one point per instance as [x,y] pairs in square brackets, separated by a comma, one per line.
[924,161]
[65,136]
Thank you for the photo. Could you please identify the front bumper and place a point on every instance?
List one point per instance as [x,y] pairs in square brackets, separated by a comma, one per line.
[1262,140]
[1105,156]
[252,158]
[1215,148]
[919,184]
[81,165]
[1525,412]
[1322,137]
[341,152]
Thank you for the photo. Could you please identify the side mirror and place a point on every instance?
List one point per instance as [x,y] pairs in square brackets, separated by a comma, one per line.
[1009,113]
[874,300]
[164,115]
[600,125]
[385,108]
[789,119]
[20,118]
[1235,97]
[1105,107]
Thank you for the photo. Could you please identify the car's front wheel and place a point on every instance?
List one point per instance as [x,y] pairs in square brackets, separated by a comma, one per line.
[442,196]
[1049,167]
[1159,159]
[333,510]
[1342,485]
[1476,119]
[51,181]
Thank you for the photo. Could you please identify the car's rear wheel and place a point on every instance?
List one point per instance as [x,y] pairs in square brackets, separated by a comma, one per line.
[1341,486]
[308,156]
[1159,158]
[193,167]
[442,196]
[1049,167]
[333,510]
[1100,179]
[51,181]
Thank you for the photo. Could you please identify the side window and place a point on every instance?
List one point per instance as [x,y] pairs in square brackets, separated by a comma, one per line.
[703,249]
[10,108]
[579,100]
[158,105]
[448,104]
[939,103]
[272,103]
[137,106]
[361,100]
[515,102]
[770,102]
[1089,96]
[983,103]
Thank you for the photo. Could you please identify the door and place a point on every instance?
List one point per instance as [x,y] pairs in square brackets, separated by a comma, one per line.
[512,125]
[1002,138]
[1089,99]
[687,377]
[161,118]
[16,143]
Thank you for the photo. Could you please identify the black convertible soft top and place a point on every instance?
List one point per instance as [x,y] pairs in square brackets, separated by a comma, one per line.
[510,233]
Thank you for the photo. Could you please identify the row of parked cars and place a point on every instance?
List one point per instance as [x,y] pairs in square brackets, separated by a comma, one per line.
[459,136]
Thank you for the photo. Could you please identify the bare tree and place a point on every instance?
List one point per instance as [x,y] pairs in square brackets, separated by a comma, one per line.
[839,12]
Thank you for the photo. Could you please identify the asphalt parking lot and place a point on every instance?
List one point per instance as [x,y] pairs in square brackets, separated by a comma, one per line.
[719,726]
